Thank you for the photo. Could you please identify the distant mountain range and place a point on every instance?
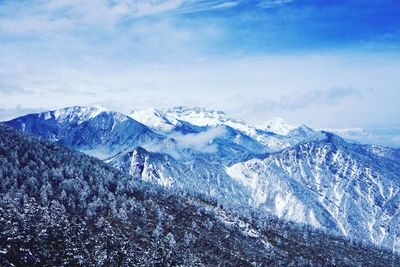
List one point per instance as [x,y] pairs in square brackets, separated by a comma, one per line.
[295,173]
[384,136]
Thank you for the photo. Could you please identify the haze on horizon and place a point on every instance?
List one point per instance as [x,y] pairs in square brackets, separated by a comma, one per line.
[323,63]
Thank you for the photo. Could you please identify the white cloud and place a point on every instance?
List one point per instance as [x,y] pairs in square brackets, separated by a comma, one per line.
[193,6]
[96,9]
[14,112]
[202,142]
[61,15]
[143,8]
[273,3]
[300,100]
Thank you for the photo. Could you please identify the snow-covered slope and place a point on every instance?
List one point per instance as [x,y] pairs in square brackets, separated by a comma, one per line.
[277,125]
[208,117]
[196,174]
[198,116]
[332,184]
[195,162]
[153,118]
[171,118]
[161,122]
[276,134]
[94,130]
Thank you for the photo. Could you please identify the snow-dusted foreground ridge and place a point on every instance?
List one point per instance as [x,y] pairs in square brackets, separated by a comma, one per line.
[330,184]
[295,173]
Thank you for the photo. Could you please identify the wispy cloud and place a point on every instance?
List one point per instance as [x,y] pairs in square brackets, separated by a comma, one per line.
[14,112]
[302,105]
[62,15]
[97,10]
[193,6]
[202,142]
[8,86]
[300,100]
[273,3]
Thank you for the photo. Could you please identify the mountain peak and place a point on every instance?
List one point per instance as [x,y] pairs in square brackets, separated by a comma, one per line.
[277,125]
[81,113]
[199,116]
[153,118]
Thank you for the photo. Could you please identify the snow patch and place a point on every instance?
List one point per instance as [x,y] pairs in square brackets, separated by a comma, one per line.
[47,116]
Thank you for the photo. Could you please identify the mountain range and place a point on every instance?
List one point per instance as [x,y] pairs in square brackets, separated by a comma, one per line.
[384,136]
[59,207]
[295,173]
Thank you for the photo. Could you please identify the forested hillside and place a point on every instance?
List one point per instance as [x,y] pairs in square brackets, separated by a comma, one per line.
[59,207]
[302,175]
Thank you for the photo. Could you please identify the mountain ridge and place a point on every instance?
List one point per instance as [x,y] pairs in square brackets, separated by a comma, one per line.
[304,178]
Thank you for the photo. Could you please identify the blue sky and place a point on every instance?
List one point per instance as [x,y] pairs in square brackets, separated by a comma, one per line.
[324,63]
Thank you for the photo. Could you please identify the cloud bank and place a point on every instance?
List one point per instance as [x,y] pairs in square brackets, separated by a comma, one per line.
[297,100]
[300,100]
[202,142]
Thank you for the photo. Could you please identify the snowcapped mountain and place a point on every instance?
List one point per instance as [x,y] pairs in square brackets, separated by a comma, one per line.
[277,125]
[94,130]
[160,121]
[275,134]
[103,133]
[171,118]
[154,118]
[198,116]
[331,184]
[208,117]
